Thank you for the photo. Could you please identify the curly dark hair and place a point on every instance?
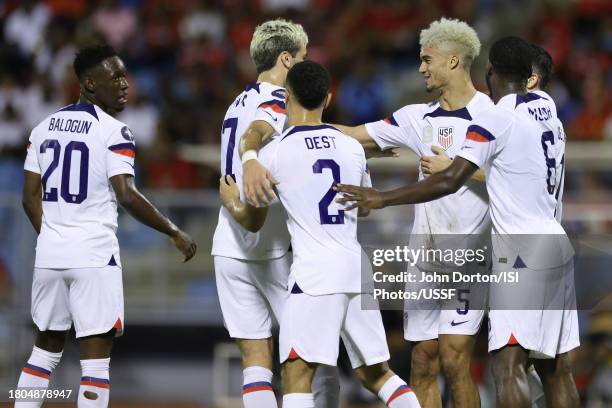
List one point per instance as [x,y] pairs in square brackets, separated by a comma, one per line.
[511,58]
[91,56]
[309,82]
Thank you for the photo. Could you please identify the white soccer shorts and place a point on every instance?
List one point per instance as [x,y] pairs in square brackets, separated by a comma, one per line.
[549,330]
[311,328]
[427,319]
[251,294]
[91,298]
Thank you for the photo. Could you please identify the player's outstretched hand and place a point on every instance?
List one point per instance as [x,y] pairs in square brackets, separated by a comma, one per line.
[365,198]
[257,183]
[437,163]
[184,243]
[228,190]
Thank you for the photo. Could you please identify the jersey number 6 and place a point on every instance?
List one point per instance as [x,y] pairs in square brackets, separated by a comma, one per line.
[51,195]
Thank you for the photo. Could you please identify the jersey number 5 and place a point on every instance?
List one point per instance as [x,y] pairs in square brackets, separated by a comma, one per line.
[51,195]
[327,199]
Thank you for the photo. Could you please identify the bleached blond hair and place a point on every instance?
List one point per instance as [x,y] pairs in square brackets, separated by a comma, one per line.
[273,37]
[453,34]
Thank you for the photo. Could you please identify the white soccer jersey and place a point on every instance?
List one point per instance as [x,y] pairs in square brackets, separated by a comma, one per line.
[541,107]
[513,151]
[266,102]
[307,161]
[76,150]
[421,126]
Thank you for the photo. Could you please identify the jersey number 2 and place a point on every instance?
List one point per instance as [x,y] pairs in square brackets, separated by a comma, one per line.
[327,199]
[51,195]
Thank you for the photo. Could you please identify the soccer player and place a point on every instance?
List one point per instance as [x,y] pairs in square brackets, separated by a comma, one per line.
[325,283]
[522,187]
[79,164]
[252,259]
[441,332]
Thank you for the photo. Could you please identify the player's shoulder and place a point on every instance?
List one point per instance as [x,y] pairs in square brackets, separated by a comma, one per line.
[408,113]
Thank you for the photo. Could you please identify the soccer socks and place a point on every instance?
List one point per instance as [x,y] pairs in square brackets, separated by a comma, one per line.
[95,384]
[326,387]
[298,400]
[396,394]
[36,373]
[257,388]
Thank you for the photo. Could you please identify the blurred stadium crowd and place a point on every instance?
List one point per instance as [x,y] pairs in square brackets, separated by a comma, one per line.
[188,59]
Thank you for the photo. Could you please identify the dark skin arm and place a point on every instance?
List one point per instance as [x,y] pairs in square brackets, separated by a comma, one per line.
[437,185]
[32,199]
[140,208]
[249,217]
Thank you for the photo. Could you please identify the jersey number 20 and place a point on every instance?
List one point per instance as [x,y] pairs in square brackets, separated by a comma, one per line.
[51,195]
[327,199]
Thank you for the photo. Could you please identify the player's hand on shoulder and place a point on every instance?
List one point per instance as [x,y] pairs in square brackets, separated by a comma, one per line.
[184,243]
[435,164]
[257,183]
[365,198]
[228,190]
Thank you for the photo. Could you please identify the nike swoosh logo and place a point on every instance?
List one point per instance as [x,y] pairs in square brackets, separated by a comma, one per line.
[273,118]
[458,323]
[466,147]
[129,164]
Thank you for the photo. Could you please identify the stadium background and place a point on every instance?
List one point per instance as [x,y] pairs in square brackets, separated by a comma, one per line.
[187,60]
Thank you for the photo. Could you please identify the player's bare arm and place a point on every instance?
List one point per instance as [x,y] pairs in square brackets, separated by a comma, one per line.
[249,217]
[256,178]
[440,161]
[360,133]
[140,208]
[32,199]
[438,185]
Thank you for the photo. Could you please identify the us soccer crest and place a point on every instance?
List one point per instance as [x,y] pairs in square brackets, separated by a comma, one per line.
[445,136]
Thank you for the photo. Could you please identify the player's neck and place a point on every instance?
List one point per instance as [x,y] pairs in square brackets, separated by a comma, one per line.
[92,100]
[456,94]
[275,76]
[304,117]
[507,89]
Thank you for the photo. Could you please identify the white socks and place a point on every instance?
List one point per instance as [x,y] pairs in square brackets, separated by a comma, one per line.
[95,385]
[298,400]
[36,373]
[396,394]
[257,388]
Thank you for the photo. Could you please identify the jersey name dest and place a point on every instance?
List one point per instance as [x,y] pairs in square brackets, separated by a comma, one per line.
[320,142]
[69,125]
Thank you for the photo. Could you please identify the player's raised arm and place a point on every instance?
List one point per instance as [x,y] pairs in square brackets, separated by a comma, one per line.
[438,185]
[140,208]
[32,199]
[249,217]
[440,161]
[256,178]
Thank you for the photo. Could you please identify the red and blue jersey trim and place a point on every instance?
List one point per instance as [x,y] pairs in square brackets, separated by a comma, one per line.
[276,105]
[401,390]
[479,134]
[124,149]
[391,120]
[95,382]
[256,386]
[36,371]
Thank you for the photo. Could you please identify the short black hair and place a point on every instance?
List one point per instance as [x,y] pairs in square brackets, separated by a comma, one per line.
[511,58]
[542,63]
[309,82]
[91,56]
